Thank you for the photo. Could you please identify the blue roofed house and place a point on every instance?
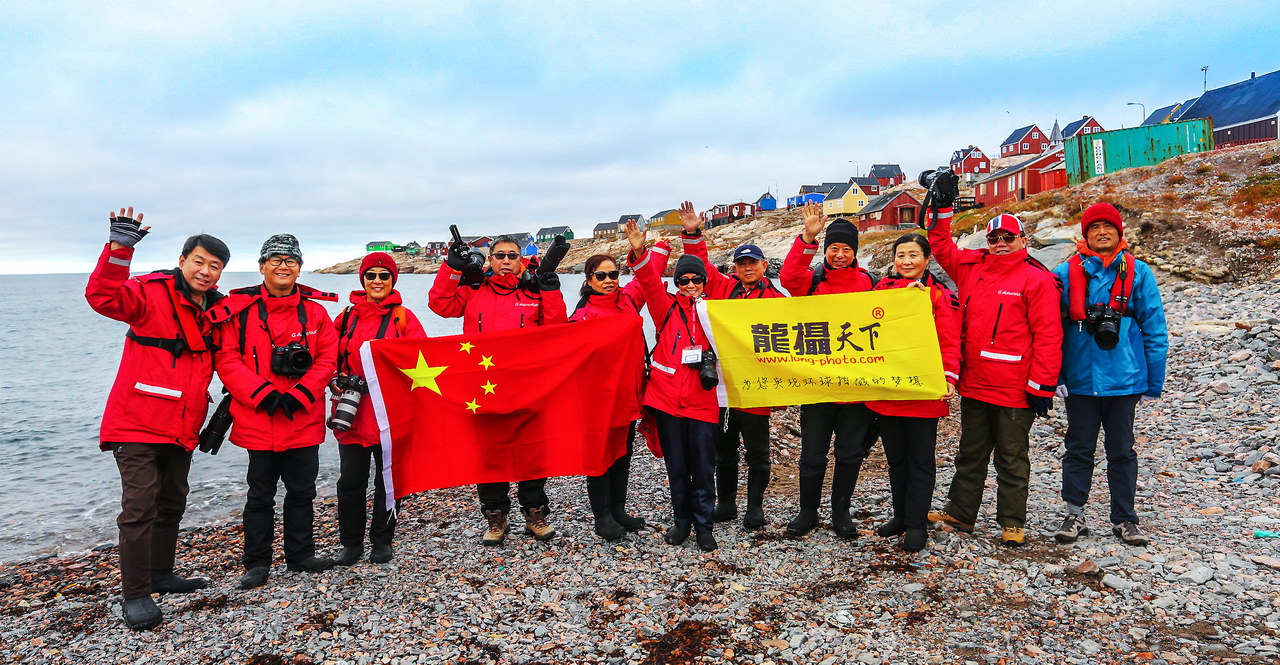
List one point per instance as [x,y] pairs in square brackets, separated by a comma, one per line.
[811,194]
[1243,112]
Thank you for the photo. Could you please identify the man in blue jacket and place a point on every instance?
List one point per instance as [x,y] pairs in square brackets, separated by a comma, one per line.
[1113,355]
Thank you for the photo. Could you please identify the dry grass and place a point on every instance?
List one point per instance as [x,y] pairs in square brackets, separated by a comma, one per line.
[1260,196]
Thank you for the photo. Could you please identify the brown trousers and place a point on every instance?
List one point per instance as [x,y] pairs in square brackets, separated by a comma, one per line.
[153,480]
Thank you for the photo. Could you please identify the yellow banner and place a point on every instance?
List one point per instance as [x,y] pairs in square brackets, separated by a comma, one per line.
[848,347]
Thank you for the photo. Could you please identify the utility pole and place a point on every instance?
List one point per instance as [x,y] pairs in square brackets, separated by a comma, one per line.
[1205,69]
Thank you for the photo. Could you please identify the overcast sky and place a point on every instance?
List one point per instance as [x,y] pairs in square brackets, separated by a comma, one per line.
[343,125]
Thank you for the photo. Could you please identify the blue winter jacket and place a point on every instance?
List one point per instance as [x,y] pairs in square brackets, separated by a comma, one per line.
[1137,364]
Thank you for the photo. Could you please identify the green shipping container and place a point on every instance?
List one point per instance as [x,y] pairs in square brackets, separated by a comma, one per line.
[1092,155]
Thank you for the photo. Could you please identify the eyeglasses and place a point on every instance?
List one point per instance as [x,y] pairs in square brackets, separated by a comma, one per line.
[371,275]
[997,238]
[696,279]
[505,256]
[277,261]
[601,275]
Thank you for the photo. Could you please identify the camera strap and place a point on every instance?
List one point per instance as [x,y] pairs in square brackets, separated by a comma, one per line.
[347,330]
[262,314]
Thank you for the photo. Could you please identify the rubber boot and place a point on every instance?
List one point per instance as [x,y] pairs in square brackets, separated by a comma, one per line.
[757,481]
[843,480]
[807,519]
[598,496]
[165,581]
[619,475]
[726,490]
[141,613]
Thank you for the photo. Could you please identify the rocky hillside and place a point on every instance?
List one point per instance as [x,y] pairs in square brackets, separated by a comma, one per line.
[1212,217]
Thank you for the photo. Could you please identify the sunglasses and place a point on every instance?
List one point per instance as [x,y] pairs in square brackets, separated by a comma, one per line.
[601,275]
[696,279]
[996,238]
[371,275]
[505,256]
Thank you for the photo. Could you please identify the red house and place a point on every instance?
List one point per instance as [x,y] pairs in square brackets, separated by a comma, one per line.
[1085,125]
[1029,140]
[970,160]
[723,213]
[1021,180]
[887,175]
[889,210]
[869,186]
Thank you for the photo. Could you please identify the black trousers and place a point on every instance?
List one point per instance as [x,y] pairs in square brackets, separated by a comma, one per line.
[1114,415]
[688,449]
[909,445]
[612,484]
[495,496]
[353,488]
[297,469]
[854,429]
[753,430]
[153,498]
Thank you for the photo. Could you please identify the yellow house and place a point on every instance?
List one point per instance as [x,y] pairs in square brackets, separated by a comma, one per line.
[667,220]
[844,199]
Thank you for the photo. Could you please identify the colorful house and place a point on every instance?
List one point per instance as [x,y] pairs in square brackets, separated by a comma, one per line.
[1029,140]
[478,242]
[435,248]
[888,211]
[379,246]
[640,221]
[811,194]
[887,174]
[666,221]
[845,199]
[1085,125]
[412,248]
[549,233]
[723,213]
[605,230]
[766,202]
[1017,182]
[969,161]
[869,186]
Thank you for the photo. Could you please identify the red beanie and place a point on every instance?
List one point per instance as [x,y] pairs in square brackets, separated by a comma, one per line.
[1100,212]
[380,260]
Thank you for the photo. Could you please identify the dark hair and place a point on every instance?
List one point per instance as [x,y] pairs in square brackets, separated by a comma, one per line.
[593,262]
[917,239]
[502,239]
[210,244]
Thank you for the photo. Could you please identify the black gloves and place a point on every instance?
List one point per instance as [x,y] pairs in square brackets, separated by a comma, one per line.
[126,231]
[459,256]
[283,402]
[271,403]
[290,405]
[472,276]
[943,186]
[549,282]
[1040,405]
[555,254]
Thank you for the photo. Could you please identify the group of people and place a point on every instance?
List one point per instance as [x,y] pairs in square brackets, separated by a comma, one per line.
[1013,336]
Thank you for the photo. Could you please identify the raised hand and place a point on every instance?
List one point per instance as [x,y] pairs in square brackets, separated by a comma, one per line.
[689,218]
[126,231]
[814,221]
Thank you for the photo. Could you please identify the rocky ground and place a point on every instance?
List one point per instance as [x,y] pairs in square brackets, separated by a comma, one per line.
[1204,591]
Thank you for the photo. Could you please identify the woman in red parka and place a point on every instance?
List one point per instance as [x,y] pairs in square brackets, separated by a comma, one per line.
[909,428]
[376,312]
[602,295]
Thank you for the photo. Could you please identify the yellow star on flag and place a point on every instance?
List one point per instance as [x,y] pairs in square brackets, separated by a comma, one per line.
[424,375]
[467,346]
[486,361]
[472,406]
[488,387]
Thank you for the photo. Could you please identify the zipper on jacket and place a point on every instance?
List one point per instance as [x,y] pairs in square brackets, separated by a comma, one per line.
[479,321]
[522,320]
[996,327]
[675,343]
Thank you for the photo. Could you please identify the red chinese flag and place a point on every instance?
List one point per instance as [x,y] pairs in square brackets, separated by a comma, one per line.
[505,406]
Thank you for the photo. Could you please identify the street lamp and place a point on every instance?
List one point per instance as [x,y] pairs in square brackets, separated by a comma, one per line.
[1144,110]
[1205,69]
[857,170]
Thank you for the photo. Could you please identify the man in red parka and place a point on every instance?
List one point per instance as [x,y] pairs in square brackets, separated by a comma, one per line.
[277,351]
[749,425]
[1010,354]
[157,403]
[506,296]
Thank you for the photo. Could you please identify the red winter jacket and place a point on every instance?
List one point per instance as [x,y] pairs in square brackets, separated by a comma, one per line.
[625,300]
[724,287]
[946,320]
[356,325]
[1011,327]
[673,388]
[499,303]
[797,277]
[246,370]
[157,397]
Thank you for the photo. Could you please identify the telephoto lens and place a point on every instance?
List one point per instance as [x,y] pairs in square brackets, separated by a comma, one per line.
[213,434]
[344,414]
[707,373]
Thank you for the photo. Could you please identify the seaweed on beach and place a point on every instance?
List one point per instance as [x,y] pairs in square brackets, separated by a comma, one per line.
[682,644]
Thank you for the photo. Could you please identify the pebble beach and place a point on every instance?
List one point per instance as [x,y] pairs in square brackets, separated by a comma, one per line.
[1203,591]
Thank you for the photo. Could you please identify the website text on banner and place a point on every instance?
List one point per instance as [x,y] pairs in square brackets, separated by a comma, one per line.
[848,347]
[505,406]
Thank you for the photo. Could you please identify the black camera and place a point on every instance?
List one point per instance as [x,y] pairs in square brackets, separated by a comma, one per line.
[1104,322]
[943,184]
[213,434]
[707,371]
[352,387]
[292,359]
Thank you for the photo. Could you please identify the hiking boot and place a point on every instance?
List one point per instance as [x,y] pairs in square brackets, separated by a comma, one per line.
[725,511]
[915,540]
[804,522]
[627,522]
[498,527]
[608,528]
[1013,536]
[535,523]
[842,524]
[753,517]
[141,613]
[706,541]
[894,527]
[676,535]
[164,581]
[1130,534]
[311,564]
[1072,528]
[936,516]
[598,496]
[255,577]
[380,553]
[349,556]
